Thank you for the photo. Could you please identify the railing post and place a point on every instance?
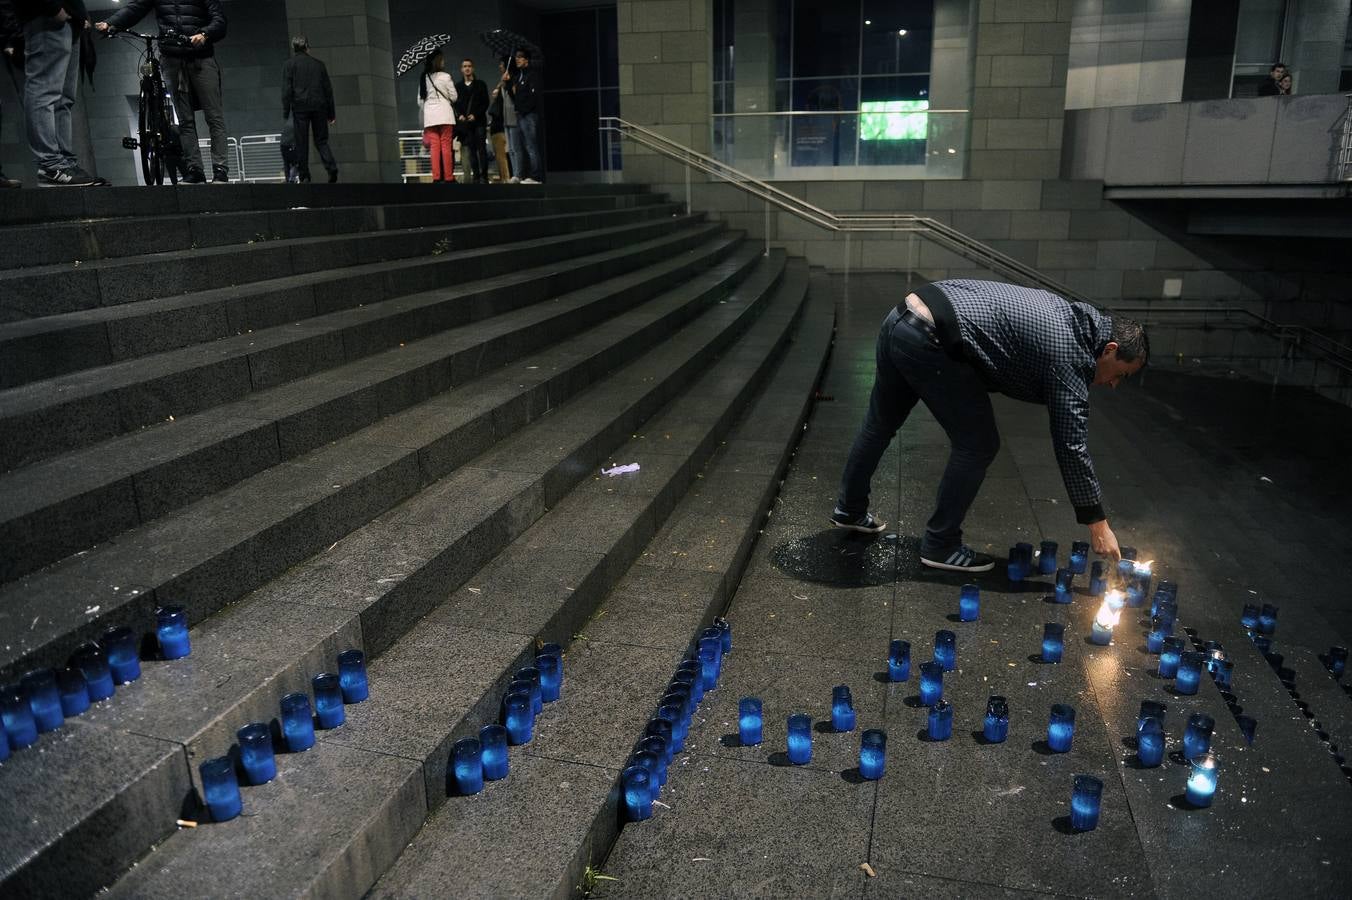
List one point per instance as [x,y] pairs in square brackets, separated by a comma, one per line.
[687,189]
[847,265]
[767,226]
[910,259]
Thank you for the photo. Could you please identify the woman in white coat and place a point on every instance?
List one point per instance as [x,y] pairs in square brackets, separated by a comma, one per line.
[436,97]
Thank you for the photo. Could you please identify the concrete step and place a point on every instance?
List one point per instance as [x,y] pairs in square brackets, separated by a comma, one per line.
[370,588]
[71,502]
[113,237]
[480,657]
[38,207]
[534,834]
[59,414]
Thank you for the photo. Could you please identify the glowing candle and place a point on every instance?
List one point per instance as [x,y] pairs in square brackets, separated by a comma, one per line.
[638,793]
[1097,584]
[1061,728]
[1065,579]
[298,724]
[1197,736]
[1189,675]
[255,753]
[1155,641]
[1267,619]
[1046,561]
[800,739]
[1085,801]
[1202,780]
[946,649]
[352,676]
[931,683]
[1053,641]
[493,751]
[1171,652]
[872,754]
[899,660]
[842,709]
[1108,615]
[969,603]
[171,628]
[221,788]
[1150,742]
[1079,556]
[1249,617]
[750,723]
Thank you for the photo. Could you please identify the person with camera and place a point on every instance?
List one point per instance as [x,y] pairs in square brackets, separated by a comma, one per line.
[190,69]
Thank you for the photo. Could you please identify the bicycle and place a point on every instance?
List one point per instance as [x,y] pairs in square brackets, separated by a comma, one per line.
[157,119]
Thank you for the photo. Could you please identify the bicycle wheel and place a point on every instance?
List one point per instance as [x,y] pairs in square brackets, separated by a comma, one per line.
[149,124]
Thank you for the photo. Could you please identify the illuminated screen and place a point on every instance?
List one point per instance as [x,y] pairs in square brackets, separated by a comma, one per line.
[893,120]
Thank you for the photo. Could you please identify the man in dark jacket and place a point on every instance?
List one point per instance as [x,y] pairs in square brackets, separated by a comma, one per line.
[524,87]
[51,32]
[307,98]
[192,72]
[471,120]
[952,342]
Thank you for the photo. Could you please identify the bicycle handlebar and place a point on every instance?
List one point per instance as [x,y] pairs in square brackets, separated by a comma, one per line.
[164,39]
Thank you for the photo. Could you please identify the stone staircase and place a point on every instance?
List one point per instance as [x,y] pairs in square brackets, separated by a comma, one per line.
[371,416]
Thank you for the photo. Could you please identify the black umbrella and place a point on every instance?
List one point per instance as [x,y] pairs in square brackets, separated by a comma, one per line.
[422,49]
[502,42]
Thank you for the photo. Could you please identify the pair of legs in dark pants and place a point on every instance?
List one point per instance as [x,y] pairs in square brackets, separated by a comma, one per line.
[911,366]
[305,122]
[474,151]
[200,78]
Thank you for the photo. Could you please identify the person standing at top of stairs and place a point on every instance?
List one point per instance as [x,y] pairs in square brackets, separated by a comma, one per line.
[307,99]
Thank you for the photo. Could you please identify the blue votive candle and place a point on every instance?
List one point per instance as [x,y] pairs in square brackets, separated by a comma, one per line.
[1085,800]
[672,713]
[328,700]
[1171,652]
[931,683]
[1225,671]
[1189,675]
[221,788]
[1197,736]
[662,728]
[93,662]
[1046,559]
[1128,553]
[1015,569]
[800,739]
[653,763]
[941,721]
[124,658]
[1267,619]
[657,747]
[298,724]
[74,691]
[1126,571]
[842,709]
[1079,556]
[493,751]
[1248,725]
[996,726]
[725,632]
[44,698]
[171,628]
[1024,550]
[1151,709]
[1154,642]
[255,753]
[709,651]
[1167,610]
[946,649]
[696,673]
[1202,779]
[4,745]
[1061,728]
[1109,612]
[1337,661]
[17,716]
[713,634]
[467,766]
[1053,641]
[551,677]
[531,676]
[1249,617]
[1150,742]
[638,793]
[899,660]
[1064,586]
[1097,585]
[518,718]
[872,753]
[352,676]
[969,603]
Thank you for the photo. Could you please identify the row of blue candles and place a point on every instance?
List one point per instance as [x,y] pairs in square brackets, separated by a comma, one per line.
[43,699]
[257,758]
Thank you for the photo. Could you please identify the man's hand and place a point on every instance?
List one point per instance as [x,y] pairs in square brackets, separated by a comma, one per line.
[101,27]
[506,77]
[1104,542]
[333,121]
[62,16]
[197,40]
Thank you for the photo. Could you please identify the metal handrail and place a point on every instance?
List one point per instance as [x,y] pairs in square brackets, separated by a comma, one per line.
[1331,351]
[945,236]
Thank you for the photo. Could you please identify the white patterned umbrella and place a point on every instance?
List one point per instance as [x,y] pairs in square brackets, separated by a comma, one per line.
[420,50]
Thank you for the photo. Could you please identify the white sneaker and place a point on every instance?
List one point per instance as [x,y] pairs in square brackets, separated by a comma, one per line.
[529,181]
[514,180]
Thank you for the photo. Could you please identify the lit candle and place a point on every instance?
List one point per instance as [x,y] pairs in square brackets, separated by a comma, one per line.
[709,651]
[872,753]
[750,723]
[1150,742]
[946,649]
[74,691]
[931,683]
[298,724]
[44,699]
[1085,801]
[328,700]
[969,603]
[221,788]
[1053,641]
[1061,728]
[899,660]
[551,679]
[842,709]
[713,634]
[1248,725]
[1097,585]
[467,764]
[171,628]
[1046,560]
[93,662]
[638,793]
[493,751]
[725,632]
[1155,641]
[1202,780]
[1337,659]
[255,753]
[800,739]
[352,676]
[1141,576]
[1267,619]
[1108,615]
[996,726]
[1189,676]
[1126,570]
[1170,654]
[941,721]
[1064,585]
[1079,556]
[1197,736]
[124,658]
[1249,617]
[518,719]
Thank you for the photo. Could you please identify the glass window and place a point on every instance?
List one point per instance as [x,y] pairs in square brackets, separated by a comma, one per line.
[608,29]
[783,38]
[897,36]
[826,93]
[825,37]
[571,50]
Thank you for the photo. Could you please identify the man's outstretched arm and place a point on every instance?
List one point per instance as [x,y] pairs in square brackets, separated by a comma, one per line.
[1068,408]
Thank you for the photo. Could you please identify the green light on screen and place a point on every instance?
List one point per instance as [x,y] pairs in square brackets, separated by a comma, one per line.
[893,120]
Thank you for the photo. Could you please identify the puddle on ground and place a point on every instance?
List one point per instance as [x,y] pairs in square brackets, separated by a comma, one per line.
[839,558]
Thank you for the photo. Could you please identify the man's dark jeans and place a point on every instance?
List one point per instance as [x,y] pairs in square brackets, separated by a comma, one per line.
[911,366]
[317,122]
[473,150]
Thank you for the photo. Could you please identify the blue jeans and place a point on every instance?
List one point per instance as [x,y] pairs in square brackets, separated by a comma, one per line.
[528,127]
[52,70]
[911,366]
[514,152]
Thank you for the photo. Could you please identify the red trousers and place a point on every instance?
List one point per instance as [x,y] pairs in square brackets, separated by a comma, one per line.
[438,139]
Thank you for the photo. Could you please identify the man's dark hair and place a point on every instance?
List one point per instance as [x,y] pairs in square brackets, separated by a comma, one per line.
[1276,66]
[300,43]
[1132,341]
[466,60]
[523,51]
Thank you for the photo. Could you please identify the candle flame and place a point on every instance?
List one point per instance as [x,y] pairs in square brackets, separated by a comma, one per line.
[1111,610]
[1144,568]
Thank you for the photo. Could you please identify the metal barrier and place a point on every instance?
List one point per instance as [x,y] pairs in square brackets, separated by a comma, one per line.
[260,158]
[415,163]
[1344,167]
[233,159]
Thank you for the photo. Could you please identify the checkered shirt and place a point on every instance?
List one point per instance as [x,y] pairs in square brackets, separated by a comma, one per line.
[1036,346]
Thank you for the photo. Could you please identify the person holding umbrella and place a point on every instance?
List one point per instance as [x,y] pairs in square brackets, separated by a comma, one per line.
[436,98]
[497,128]
[524,90]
